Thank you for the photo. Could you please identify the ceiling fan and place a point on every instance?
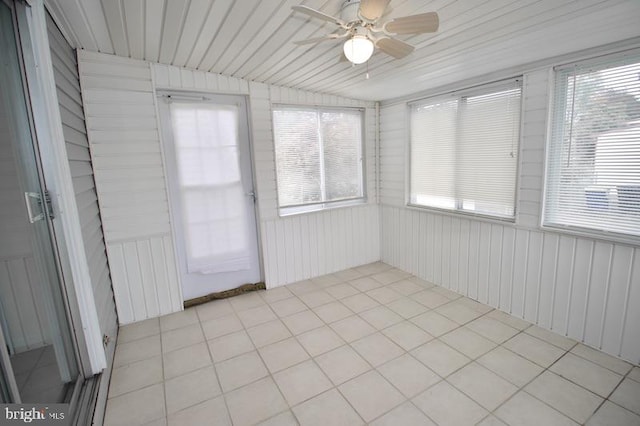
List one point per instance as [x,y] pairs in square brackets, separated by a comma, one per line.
[359,24]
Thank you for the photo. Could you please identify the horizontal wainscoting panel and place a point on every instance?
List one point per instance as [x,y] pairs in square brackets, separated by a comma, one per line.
[144,276]
[585,289]
[304,246]
[26,320]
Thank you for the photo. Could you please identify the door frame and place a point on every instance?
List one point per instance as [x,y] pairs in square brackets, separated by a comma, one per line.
[164,127]
[49,144]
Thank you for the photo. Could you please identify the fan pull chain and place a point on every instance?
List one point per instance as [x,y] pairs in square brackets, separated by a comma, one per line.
[366,76]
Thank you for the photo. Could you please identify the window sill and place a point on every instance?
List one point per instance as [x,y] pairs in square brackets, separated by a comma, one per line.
[607,237]
[464,214]
[314,208]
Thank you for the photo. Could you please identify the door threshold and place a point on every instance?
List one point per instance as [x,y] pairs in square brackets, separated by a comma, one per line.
[245,288]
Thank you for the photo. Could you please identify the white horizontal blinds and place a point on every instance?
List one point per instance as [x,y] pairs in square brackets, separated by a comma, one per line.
[593,179]
[318,155]
[488,151]
[433,153]
[464,150]
[212,200]
[297,143]
[342,143]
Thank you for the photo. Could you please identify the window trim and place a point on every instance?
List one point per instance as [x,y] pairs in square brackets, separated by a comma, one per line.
[297,209]
[552,114]
[474,90]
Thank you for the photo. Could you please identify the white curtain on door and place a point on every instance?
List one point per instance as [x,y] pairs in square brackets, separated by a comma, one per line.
[213,203]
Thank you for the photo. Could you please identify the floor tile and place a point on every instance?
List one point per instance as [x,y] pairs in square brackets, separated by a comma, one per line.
[136,408]
[138,330]
[611,414]
[469,343]
[447,406]
[551,337]
[627,395]
[486,388]
[373,268]
[241,370]
[145,348]
[510,320]
[329,408]
[430,298]
[320,340]
[405,414]
[187,359]
[390,276]
[340,291]
[213,412]
[568,398]
[470,303]
[371,395]
[135,376]
[422,283]
[221,326]
[246,301]
[348,274]
[255,402]
[359,302]
[342,364]
[607,361]
[407,308]
[365,284]
[302,382]
[525,410]
[257,315]
[406,287]
[458,312]
[381,317]
[269,332]
[452,295]
[635,374]
[407,335]
[408,375]
[534,349]
[439,357]
[230,345]
[491,420]
[352,328]
[281,355]
[302,287]
[587,374]
[316,298]
[190,389]
[285,418]
[302,321]
[182,337]
[326,280]
[510,366]
[384,295]
[178,320]
[332,312]
[286,307]
[276,294]
[377,349]
[434,323]
[214,309]
[492,329]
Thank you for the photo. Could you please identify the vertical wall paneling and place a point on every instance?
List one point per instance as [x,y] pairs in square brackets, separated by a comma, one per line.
[65,70]
[125,150]
[580,287]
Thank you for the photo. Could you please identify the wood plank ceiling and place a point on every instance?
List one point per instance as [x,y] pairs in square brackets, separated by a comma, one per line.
[252,39]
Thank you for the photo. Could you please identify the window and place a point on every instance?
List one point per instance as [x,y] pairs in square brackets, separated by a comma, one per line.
[464,150]
[593,172]
[318,157]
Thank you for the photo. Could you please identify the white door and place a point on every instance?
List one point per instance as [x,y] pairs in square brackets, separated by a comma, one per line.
[208,163]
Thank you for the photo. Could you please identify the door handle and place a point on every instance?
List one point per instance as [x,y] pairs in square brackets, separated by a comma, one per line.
[28,197]
[251,194]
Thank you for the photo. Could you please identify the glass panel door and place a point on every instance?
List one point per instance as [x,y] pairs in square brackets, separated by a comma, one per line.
[38,357]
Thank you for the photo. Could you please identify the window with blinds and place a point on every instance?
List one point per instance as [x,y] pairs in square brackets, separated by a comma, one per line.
[464,150]
[593,172]
[318,157]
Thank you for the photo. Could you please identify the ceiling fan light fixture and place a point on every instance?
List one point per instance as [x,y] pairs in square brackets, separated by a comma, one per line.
[358,49]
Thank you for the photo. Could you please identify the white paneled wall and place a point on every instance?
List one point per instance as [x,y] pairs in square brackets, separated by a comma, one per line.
[121,123]
[302,246]
[583,288]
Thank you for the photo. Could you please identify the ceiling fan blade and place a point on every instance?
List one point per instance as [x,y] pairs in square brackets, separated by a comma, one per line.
[413,24]
[317,14]
[372,10]
[392,47]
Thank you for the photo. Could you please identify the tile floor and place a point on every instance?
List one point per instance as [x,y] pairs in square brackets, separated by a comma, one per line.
[369,345]
[38,376]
